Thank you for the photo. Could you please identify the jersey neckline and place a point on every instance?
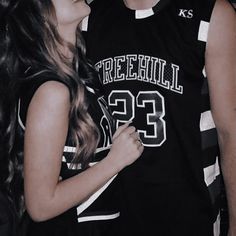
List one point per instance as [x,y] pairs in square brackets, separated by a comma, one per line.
[145,13]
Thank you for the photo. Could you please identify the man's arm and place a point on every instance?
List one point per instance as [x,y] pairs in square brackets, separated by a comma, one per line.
[221,73]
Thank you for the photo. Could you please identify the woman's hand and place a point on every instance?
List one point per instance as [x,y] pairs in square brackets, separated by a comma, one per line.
[126,148]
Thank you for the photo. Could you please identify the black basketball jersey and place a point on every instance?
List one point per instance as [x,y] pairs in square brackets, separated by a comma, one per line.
[151,65]
[95,215]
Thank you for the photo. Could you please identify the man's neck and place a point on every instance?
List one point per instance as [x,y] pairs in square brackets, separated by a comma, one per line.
[140,4]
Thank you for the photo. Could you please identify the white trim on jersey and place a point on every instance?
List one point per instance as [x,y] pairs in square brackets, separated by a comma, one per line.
[204,71]
[140,14]
[206,121]
[73,149]
[211,172]
[217,226]
[72,167]
[69,149]
[93,197]
[91,90]
[99,217]
[18,115]
[84,24]
[203,31]
[102,149]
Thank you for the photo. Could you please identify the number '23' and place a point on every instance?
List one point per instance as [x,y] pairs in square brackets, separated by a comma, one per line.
[124,106]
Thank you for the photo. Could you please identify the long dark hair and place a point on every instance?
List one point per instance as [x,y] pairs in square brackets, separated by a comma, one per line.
[11,181]
[31,42]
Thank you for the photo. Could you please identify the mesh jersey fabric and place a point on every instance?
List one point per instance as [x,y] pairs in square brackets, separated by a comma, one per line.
[151,64]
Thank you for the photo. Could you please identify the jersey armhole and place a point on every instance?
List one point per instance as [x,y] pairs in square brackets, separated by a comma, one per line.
[26,97]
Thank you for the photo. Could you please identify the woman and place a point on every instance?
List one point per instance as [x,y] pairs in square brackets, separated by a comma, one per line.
[68,190]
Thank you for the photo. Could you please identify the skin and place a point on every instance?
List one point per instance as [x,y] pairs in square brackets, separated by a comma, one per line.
[45,136]
[69,13]
[221,73]
[140,4]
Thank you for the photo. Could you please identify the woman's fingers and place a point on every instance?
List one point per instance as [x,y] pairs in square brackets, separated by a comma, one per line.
[121,129]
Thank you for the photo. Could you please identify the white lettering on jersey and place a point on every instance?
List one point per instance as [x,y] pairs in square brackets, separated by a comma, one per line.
[131,75]
[150,105]
[142,68]
[185,13]
[117,68]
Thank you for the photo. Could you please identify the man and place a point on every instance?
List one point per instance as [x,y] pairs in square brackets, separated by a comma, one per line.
[152,57]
